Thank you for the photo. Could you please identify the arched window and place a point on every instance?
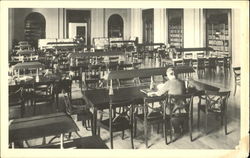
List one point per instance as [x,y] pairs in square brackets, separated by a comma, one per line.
[115,26]
[34,28]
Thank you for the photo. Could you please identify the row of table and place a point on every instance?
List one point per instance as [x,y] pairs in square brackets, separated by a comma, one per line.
[99,98]
[61,123]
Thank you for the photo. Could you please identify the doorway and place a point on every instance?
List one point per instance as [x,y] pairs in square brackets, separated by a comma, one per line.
[79,31]
[79,23]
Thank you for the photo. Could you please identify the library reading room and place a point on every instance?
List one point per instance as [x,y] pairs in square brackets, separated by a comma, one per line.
[124,78]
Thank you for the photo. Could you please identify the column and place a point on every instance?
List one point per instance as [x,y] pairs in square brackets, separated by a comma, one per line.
[194,28]
[236,37]
[11,28]
[61,23]
[136,23]
[97,23]
[160,29]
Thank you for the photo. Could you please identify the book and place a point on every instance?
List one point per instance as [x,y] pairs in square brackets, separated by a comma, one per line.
[147,90]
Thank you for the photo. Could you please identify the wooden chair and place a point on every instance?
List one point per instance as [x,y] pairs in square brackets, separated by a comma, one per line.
[127,82]
[187,62]
[215,102]
[151,115]
[77,73]
[43,93]
[179,110]
[200,66]
[92,76]
[63,86]
[117,122]
[113,66]
[226,62]
[236,71]
[80,108]
[200,54]
[16,99]
[212,63]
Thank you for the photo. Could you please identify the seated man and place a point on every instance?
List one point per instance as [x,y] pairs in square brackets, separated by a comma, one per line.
[173,85]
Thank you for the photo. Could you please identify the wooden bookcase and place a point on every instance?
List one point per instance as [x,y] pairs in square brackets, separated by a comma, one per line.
[175,27]
[218,34]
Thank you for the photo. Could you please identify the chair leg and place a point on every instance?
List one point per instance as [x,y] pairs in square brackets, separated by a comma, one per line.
[145,134]
[27,143]
[98,131]
[190,128]
[92,127]
[171,126]
[70,133]
[165,132]
[111,140]
[95,121]
[123,135]
[198,120]
[158,128]
[206,122]
[34,104]
[57,100]
[132,138]
[225,123]
[135,128]
[22,110]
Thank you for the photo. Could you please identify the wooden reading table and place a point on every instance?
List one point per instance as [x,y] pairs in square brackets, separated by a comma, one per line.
[41,126]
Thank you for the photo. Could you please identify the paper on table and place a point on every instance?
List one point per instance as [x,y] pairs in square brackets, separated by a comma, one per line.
[25,78]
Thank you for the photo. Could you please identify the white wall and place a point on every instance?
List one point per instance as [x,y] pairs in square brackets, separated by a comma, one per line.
[11,27]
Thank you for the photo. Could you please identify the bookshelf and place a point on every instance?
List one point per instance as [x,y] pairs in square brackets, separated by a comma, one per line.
[175,27]
[218,31]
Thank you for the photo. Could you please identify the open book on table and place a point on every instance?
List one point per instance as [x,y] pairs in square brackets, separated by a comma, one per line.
[148,90]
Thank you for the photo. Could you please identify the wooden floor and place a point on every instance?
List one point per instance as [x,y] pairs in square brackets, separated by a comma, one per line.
[215,139]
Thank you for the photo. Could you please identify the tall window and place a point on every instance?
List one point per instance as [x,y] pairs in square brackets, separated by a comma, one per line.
[34,28]
[115,26]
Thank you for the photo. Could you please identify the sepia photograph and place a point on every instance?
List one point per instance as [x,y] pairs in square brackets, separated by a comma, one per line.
[161,75]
